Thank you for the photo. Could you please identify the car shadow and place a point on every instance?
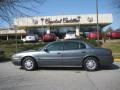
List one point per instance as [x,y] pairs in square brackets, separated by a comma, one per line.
[112,67]
[58,68]
[61,68]
[4,59]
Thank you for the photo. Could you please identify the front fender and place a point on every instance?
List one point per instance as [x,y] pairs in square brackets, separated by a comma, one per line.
[36,58]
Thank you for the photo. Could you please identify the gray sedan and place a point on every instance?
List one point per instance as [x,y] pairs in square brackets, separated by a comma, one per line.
[66,53]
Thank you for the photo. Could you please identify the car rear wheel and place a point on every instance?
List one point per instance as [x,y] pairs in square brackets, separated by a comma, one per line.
[91,64]
[29,64]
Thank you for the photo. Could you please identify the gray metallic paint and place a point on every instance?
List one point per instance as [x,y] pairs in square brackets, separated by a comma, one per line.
[66,57]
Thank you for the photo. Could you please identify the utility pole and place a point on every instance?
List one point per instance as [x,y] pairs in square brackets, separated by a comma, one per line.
[16,46]
[97,17]
[42,19]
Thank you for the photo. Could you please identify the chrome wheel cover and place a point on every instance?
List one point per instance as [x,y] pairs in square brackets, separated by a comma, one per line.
[28,64]
[91,64]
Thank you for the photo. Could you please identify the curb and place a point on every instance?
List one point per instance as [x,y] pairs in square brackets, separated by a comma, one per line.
[117,60]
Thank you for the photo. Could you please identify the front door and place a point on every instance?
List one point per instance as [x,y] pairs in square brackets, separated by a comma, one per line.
[52,55]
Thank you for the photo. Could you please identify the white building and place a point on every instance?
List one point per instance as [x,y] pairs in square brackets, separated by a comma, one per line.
[75,21]
[63,23]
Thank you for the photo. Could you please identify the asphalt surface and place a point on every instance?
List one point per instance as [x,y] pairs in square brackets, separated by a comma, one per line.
[15,78]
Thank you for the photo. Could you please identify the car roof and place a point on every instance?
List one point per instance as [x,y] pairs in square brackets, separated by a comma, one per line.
[69,40]
[88,45]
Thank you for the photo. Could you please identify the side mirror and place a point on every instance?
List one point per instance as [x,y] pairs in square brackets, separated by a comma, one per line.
[45,49]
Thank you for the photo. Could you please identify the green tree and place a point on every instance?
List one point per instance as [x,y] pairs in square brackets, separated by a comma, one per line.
[118,30]
[109,29]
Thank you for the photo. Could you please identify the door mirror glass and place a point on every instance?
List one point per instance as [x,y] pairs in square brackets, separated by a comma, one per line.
[45,49]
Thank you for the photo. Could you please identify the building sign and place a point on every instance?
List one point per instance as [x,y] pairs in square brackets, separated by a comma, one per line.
[35,21]
[63,20]
[49,21]
[90,19]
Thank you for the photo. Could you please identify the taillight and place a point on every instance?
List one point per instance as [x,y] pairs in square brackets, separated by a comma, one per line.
[109,51]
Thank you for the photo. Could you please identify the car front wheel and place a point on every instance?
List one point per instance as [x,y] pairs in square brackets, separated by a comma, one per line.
[91,64]
[29,64]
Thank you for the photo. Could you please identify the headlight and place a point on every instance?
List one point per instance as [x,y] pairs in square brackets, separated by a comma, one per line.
[16,56]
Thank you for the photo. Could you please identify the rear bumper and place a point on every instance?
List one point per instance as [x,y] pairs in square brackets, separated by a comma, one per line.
[106,60]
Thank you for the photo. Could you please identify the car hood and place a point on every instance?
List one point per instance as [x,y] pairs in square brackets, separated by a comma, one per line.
[28,52]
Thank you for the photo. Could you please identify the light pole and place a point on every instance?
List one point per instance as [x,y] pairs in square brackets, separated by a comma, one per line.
[16,46]
[42,19]
[79,26]
[97,20]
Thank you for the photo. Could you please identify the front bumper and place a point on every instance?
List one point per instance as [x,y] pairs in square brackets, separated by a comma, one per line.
[2,54]
[16,61]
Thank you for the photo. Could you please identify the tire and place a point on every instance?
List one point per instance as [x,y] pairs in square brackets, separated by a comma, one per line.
[29,64]
[91,64]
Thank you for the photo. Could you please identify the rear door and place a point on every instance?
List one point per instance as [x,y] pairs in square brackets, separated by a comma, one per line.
[73,53]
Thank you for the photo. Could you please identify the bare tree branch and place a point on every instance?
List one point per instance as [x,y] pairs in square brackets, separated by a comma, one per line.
[10,9]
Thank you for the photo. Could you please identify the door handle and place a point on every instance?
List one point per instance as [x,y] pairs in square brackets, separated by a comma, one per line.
[58,53]
[83,52]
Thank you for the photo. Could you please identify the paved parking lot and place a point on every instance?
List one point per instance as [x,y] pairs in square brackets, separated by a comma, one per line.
[15,78]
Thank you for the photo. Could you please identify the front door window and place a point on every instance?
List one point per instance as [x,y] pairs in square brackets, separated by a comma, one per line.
[57,46]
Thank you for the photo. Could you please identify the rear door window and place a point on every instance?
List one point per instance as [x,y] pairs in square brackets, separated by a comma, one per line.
[82,46]
[71,45]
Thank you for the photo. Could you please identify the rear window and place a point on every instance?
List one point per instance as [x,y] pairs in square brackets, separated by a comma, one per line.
[73,45]
[82,46]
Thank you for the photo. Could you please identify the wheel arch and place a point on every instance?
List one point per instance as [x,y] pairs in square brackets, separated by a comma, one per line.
[91,56]
[30,57]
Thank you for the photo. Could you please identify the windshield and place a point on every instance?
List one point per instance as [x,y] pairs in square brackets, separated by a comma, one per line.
[70,33]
